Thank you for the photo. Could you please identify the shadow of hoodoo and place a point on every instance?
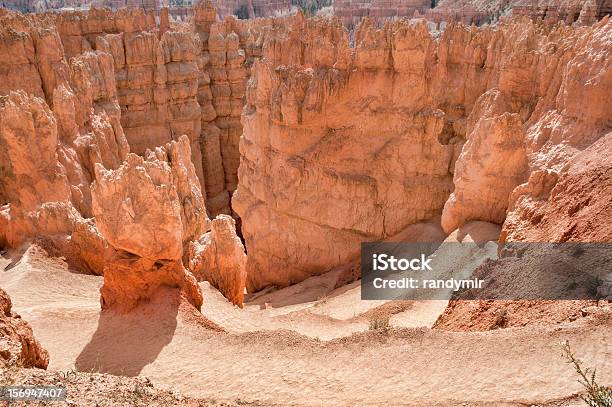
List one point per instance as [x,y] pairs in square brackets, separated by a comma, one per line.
[124,344]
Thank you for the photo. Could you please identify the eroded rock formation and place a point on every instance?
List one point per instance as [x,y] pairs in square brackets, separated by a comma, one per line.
[568,205]
[478,12]
[148,209]
[351,12]
[18,347]
[61,129]
[339,138]
[481,189]
[347,144]
[218,257]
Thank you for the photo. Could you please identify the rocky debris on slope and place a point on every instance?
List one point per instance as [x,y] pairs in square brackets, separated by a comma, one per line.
[219,258]
[18,347]
[572,205]
[140,209]
[328,162]
[533,283]
[486,315]
[106,390]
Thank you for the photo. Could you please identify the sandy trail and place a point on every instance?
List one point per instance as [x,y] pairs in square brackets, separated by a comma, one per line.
[271,355]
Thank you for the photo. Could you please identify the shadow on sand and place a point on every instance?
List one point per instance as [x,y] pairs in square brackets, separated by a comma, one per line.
[124,344]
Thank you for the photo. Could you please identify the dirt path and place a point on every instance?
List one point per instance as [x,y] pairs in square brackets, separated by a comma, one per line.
[261,357]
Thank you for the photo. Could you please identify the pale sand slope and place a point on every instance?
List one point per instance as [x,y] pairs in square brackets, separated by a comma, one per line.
[179,349]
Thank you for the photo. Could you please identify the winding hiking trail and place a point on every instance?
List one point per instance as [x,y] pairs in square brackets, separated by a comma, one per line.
[315,352]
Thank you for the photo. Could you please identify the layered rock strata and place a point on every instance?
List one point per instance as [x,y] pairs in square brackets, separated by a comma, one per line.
[221,93]
[581,12]
[156,73]
[171,83]
[347,144]
[478,12]
[67,177]
[351,12]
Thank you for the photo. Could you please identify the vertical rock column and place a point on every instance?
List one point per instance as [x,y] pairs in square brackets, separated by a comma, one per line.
[181,51]
[228,86]
[157,84]
[217,195]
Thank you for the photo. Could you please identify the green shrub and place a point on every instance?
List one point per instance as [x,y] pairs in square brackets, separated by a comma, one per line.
[596,395]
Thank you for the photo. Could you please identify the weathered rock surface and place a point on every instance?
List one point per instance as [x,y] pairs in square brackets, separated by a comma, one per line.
[68,132]
[343,138]
[218,257]
[221,94]
[170,83]
[61,121]
[35,189]
[481,189]
[18,347]
[148,210]
[351,12]
[343,145]
[574,205]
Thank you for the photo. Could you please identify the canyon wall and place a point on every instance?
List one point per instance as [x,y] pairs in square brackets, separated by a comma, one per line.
[178,11]
[478,12]
[58,119]
[171,83]
[338,138]
[221,94]
[67,177]
[348,144]
[351,12]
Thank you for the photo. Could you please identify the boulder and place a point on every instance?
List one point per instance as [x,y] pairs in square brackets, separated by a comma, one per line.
[18,347]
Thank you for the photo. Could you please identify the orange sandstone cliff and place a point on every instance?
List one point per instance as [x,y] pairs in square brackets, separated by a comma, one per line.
[344,144]
[337,138]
